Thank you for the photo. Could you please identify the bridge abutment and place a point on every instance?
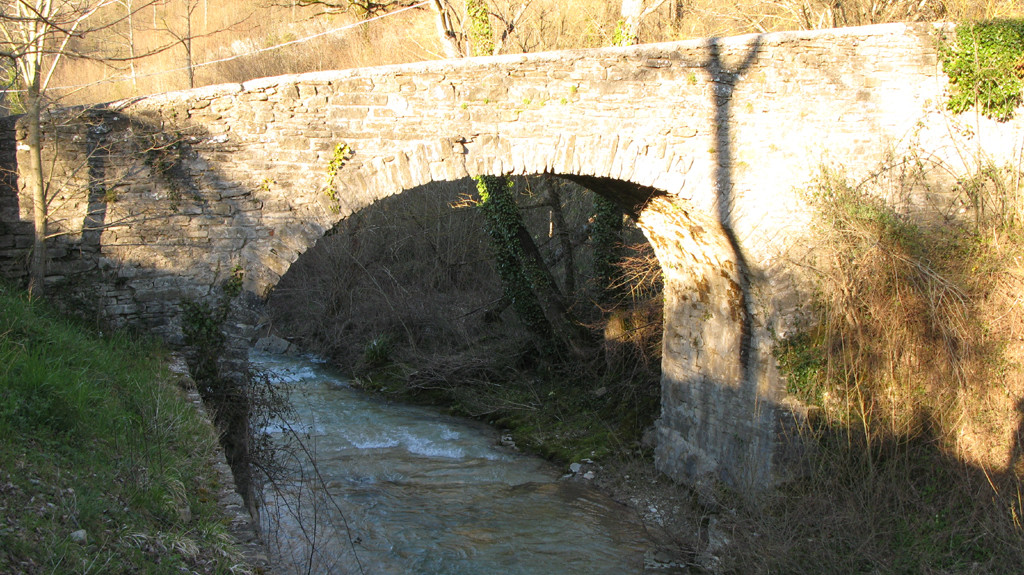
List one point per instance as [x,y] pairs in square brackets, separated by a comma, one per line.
[723,400]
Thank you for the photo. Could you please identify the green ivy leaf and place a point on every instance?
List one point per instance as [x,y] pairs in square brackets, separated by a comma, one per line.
[985,66]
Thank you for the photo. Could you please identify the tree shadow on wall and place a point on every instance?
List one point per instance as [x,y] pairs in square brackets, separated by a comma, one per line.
[15,234]
[132,205]
[724,80]
[872,502]
[85,178]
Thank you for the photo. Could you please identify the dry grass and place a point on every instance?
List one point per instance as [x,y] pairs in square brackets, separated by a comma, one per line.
[920,322]
[232,28]
[915,370]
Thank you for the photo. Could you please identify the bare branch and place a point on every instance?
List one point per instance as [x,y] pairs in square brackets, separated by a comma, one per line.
[509,25]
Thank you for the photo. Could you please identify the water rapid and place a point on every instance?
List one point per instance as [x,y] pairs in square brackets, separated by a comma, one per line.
[372,487]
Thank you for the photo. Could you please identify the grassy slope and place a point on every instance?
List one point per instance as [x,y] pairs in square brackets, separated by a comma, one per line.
[94,437]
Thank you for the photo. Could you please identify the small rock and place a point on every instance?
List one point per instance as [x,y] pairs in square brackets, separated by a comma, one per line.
[717,539]
[660,561]
[272,344]
[588,475]
[649,440]
[80,537]
[575,467]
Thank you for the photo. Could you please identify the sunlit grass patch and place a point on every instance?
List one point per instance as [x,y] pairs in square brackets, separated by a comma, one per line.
[104,466]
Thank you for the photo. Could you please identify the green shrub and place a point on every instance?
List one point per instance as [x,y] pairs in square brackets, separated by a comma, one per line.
[985,66]
[377,352]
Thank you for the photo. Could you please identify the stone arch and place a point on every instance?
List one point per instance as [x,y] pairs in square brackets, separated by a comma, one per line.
[724,408]
[720,394]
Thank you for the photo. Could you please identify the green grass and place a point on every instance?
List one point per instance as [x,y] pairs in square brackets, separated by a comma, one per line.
[95,437]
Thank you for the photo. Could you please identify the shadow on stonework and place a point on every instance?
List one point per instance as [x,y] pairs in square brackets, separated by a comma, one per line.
[110,250]
[724,80]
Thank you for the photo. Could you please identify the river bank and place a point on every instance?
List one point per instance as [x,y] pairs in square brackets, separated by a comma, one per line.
[105,465]
[240,523]
[856,506]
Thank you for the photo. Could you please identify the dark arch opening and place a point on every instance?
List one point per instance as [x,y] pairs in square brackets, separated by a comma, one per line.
[405,296]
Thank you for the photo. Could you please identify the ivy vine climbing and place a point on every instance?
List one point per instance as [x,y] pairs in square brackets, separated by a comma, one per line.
[481,37]
[606,235]
[342,154]
[502,223]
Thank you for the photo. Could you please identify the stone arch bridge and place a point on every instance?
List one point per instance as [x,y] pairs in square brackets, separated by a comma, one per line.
[706,143]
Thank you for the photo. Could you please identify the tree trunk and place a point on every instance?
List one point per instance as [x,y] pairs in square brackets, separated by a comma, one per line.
[188,49]
[566,329]
[526,278]
[560,231]
[509,26]
[131,46]
[633,12]
[446,31]
[607,240]
[34,183]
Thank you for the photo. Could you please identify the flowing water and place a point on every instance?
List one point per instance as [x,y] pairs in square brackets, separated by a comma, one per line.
[397,489]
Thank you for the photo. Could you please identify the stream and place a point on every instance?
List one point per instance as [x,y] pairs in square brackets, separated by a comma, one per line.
[398,489]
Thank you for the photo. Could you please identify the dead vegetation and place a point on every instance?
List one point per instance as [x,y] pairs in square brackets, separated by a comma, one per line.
[405,296]
[915,371]
[236,40]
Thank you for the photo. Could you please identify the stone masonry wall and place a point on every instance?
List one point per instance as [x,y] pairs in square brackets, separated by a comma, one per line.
[708,143]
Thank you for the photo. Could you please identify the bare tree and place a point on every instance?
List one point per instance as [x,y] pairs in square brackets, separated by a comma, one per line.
[449,29]
[36,35]
[183,35]
[362,8]
[131,53]
[130,8]
[458,24]
[510,20]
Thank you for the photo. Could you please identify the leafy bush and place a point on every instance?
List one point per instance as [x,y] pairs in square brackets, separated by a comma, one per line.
[377,352]
[985,66]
